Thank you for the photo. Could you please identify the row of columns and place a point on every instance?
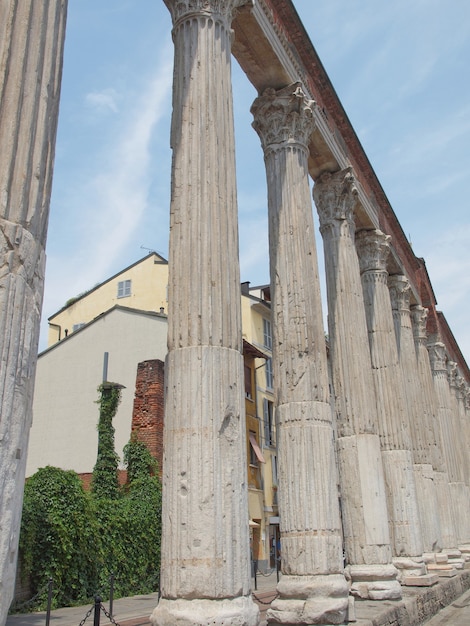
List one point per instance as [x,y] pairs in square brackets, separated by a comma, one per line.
[364,470]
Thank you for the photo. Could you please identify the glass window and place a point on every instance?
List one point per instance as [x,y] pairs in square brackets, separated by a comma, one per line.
[269,373]
[124,288]
[268,422]
[267,334]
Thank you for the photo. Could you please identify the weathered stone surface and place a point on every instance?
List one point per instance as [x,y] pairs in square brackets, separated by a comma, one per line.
[205,538]
[31,46]
[308,505]
[364,508]
[239,611]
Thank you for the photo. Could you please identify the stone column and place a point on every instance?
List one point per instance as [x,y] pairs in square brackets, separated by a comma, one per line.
[31,47]
[437,356]
[392,417]
[429,405]
[205,576]
[363,496]
[458,437]
[420,418]
[313,588]
[460,391]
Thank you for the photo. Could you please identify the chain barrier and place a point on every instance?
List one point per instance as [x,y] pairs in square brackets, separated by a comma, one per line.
[18,607]
[87,616]
[276,595]
[109,616]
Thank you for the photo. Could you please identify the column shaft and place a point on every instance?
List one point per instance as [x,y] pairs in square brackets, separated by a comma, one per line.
[420,418]
[205,541]
[446,492]
[31,49]
[313,588]
[363,496]
[393,424]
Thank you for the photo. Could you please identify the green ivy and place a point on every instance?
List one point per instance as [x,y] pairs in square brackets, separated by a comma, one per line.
[105,482]
[58,537]
[78,540]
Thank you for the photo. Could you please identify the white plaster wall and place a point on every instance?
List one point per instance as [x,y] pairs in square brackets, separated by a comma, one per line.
[65,413]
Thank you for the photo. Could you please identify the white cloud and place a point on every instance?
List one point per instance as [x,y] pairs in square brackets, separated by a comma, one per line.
[103,101]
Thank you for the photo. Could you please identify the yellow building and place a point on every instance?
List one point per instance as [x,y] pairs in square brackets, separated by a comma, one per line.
[262,468]
[143,285]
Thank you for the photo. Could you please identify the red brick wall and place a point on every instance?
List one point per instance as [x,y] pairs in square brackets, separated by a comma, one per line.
[147,416]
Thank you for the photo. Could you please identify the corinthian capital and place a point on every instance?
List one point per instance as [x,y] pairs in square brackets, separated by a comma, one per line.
[419,316]
[400,292]
[437,356]
[335,196]
[284,116]
[373,248]
[222,9]
[452,373]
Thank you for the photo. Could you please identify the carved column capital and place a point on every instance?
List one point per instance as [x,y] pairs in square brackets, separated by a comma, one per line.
[437,356]
[452,373]
[283,117]
[400,292]
[335,196]
[373,248]
[218,9]
[419,316]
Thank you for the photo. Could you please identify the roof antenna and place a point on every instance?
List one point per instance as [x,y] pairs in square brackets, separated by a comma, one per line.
[150,250]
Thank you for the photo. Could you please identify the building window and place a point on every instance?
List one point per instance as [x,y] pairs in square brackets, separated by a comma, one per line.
[256,456]
[268,422]
[124,288]
[269,373]
[267,334]
[274,469]
[248,388]
[77,326]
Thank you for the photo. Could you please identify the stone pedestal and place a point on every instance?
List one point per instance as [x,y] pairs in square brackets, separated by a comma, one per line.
[31,47]
[363,499]
[205,576]
[313,589]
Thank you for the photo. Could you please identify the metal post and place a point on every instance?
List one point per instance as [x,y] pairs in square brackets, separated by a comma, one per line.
[105,366]
[96,619]
[111,593]
[49,601]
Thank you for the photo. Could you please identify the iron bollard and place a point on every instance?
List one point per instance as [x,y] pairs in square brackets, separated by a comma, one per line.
[49,602]
[111,592]
[96,619]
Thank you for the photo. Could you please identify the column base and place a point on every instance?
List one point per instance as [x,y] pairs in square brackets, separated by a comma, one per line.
[307,600]
[241,611]
[374,582]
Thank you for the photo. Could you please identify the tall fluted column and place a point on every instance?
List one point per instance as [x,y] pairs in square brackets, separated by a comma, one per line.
[420,418]
[205,575]
[430,417]
[437,357]
[363,495]
[31,49]
[313,588]
[392,418]
[460,391]
[458,438]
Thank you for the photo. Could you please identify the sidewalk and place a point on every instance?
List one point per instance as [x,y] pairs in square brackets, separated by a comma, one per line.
[133,611]
[419,605]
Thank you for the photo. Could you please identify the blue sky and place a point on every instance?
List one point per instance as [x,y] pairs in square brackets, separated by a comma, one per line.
[400,69]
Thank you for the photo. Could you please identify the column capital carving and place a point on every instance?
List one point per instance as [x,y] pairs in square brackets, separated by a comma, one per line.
[335,196]
[419,316]
[373,248]
[222,9]
[400,292]
[283,117]
[452,373]
[437,356]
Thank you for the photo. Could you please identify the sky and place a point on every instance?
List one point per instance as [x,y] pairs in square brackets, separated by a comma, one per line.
[399,68]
